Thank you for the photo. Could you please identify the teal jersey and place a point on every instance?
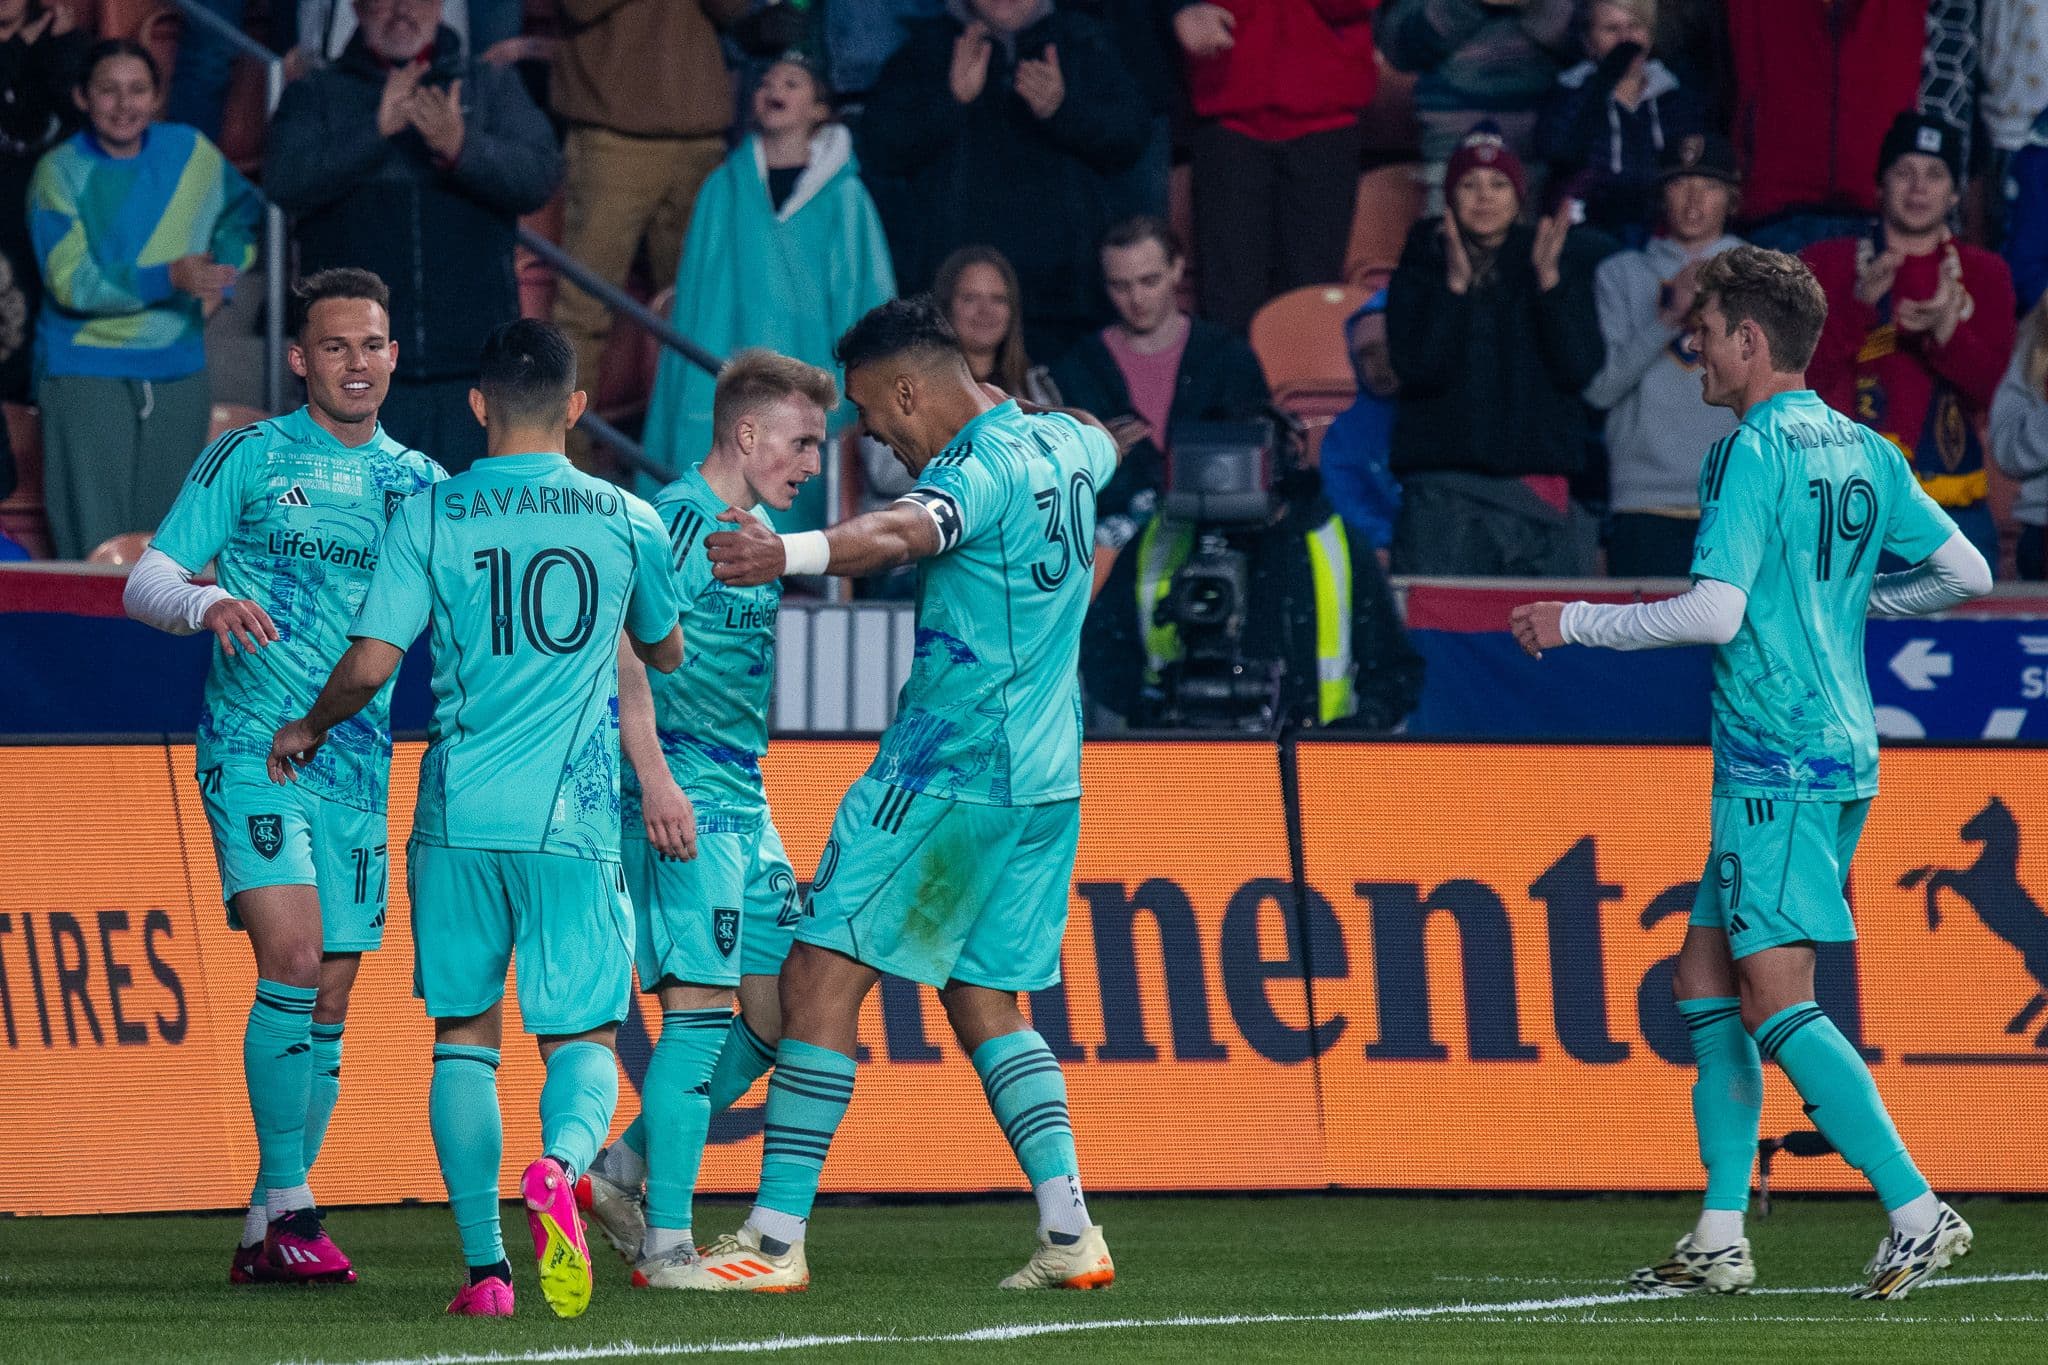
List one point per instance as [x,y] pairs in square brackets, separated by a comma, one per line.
[1794,510]
[991,712]
[527,571]
[712,713]
[297,522]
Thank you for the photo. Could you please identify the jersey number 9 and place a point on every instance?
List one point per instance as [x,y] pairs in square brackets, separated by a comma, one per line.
[532,584]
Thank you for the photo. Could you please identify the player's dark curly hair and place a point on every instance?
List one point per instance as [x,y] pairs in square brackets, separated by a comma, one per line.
[900,326]
[1773,290]
[527,372]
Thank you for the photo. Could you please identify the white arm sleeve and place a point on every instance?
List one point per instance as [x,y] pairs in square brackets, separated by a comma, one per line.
[1709,614]
[1954,573]
[161,593]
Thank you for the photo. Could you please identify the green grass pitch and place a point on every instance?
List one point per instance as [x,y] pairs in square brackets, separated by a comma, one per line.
[1336,1278]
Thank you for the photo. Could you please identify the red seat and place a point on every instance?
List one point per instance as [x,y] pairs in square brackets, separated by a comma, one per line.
[1299,338]
[227,417]
[1390,199]
[22,516]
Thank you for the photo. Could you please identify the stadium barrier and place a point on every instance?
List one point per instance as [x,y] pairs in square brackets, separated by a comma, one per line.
[1376,965]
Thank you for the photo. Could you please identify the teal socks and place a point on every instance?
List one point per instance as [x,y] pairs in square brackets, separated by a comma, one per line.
[1727,1099]
[676,1110]
[469,1139]
[326,1087]
[277,1063]
[635,1136]
[1842,1099]
[806,1100]
[576,1103]
[1024,1086]
[744,1060]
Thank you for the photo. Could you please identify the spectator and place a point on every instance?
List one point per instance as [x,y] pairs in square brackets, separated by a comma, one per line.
[1493,333]
[1153,369]
[41,52]
[1006,117]
[1314,603]
[978,290]
[1920,324]
[141,229]
[861,36]
[2015,74]
[1142,33]
[1477,59]
[1354,458]
[785,251]
[1657,428]
[1816,82]
[326,27]
[2026,225]
[1279,86]
[1606,127]
[2019,439]
[644,88]
[407,159]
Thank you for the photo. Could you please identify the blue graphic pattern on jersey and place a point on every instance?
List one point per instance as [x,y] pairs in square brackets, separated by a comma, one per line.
[296,521]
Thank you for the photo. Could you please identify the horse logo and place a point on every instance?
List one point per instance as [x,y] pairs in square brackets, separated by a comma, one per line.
[1991,887]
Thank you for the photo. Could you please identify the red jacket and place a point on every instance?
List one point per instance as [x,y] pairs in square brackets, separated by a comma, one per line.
[1928,399]
[1817,82]
[1297,67]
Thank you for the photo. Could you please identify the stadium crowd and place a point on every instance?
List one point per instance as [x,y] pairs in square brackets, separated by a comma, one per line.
[1523,401]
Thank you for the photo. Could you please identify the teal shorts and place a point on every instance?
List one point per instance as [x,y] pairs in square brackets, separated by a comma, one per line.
[567,918]
[946,891]
[1776,872]
[729,912]
[279,834]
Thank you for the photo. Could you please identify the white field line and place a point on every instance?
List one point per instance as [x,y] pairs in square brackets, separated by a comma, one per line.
[1017,1331]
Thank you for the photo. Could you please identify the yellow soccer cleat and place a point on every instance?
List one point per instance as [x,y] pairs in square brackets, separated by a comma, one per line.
[1084,1265]
[558,1245]
[738,1262]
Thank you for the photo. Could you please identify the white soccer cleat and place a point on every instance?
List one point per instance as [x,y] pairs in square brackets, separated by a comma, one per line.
[619,1213]
[665,1270]
[1084,1265]
[1688,1270]
[1902,1262]
[738,1262]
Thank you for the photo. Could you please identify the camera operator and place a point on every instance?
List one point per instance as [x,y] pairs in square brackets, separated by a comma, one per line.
[1311,637]
[1152,370]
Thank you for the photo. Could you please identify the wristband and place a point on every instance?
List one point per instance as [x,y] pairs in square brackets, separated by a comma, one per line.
[806,552]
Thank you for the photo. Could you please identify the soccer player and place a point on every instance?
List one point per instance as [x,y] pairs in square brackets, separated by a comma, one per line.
[1796,507]
[950,861]
[527,571]
[294,508]
[719,915]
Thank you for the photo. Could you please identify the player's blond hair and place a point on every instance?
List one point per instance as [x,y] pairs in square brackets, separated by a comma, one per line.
[1776,292]
[757,379]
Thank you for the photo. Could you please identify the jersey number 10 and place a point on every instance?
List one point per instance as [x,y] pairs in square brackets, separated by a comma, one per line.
[1851,516]
[532,583]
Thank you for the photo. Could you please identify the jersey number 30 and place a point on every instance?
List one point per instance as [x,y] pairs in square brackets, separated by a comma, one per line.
[1066,530]
[1850,515]
[532,583]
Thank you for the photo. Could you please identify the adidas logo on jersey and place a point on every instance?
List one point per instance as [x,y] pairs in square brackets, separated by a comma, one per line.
[295,496]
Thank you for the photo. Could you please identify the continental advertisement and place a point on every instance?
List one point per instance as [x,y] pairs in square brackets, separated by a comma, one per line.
[1468,988]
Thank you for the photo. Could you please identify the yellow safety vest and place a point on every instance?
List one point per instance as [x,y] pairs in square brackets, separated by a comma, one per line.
[1162,552]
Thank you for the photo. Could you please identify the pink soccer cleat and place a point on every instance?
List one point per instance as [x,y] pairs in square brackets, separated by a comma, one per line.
[558,1243]
[249,1267]
[297,1250]
[490,1298]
